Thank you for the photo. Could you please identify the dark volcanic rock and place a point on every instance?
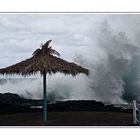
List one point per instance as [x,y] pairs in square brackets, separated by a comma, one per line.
[85,105]
[14,99]
[80,105]
[12,103]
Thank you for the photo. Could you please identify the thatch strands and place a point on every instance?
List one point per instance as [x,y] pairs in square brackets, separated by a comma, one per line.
[43,59]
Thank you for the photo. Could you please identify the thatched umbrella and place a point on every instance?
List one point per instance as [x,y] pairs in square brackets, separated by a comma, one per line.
[44,61]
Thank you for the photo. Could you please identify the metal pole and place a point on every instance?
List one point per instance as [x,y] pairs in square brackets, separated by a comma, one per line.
[44,97]
[134,112]
[139,114]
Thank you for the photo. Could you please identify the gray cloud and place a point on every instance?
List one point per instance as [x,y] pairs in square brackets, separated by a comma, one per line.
[20,34]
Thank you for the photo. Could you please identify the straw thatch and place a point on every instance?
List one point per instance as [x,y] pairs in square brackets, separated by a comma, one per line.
[43,60]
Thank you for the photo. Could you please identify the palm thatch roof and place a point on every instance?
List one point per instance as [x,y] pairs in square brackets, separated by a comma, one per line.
[43,59]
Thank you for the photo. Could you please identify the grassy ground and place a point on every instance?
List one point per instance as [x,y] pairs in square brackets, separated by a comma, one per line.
[82,118]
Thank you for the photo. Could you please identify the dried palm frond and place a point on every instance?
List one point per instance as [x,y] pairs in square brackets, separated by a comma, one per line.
[46,50]
[48,42]
[52,51]
[45,46]
[37,52]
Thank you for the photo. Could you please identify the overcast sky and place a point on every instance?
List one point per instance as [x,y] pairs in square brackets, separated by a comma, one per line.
[21,34]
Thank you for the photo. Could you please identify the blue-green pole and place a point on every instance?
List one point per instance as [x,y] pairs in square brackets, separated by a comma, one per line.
[44,97]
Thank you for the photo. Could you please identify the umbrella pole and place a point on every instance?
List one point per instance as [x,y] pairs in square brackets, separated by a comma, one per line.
[44,97]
